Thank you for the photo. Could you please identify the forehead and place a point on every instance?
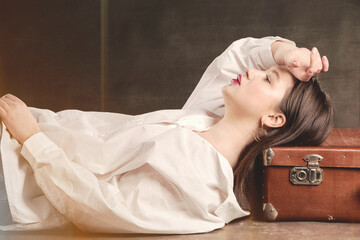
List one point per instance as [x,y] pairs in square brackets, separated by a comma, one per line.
[283,72]
[286,80]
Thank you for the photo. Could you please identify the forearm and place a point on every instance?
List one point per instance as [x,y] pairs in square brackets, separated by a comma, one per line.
[71,188]
[240,55]
[279,50]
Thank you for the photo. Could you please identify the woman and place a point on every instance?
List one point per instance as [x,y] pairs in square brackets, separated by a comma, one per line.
[168,171]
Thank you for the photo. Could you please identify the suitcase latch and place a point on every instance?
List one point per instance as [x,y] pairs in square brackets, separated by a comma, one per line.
[312,174]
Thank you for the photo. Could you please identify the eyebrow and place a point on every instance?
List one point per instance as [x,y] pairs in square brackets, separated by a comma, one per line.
[276,73]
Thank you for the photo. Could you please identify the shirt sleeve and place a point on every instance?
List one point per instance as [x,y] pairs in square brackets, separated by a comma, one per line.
[99,206]
[241,54]
[70,188]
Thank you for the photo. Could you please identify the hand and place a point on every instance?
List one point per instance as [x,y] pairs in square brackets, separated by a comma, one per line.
[304,64]
[17,118]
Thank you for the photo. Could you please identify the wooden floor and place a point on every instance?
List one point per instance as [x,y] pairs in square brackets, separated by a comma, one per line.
[241,229]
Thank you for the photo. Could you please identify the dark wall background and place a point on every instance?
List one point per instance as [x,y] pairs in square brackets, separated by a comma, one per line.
[157,50]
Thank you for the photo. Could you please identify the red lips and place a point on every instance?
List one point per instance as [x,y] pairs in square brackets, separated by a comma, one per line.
[237,80]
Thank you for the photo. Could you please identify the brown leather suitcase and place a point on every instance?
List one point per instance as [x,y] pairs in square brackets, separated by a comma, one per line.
[314,183]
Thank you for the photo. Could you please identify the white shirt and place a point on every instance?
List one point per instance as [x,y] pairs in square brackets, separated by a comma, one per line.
[150,173]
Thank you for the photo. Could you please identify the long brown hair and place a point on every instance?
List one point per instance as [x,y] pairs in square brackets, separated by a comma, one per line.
[309,120]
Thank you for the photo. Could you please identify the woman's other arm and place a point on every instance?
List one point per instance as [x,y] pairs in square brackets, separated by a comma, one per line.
[100,205]
[17,118]
[72,189]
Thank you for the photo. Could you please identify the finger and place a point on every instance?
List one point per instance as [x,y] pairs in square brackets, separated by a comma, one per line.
[326,64]
[311,71]
[315,61]
[3,113]
[3,104]
[8,101]
[318,59]
[12,97]
[304,77]
[312,60]
[308,75]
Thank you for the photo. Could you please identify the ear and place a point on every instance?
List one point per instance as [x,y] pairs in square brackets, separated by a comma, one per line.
[274,120]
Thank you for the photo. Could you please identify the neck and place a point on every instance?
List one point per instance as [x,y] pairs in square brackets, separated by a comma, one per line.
[230,136]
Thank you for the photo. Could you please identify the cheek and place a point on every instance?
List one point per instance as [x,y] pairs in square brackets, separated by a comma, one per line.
[252,100]
[256,96]
[240,101]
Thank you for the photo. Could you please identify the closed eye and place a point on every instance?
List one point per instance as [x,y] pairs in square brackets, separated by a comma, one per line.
[267,79]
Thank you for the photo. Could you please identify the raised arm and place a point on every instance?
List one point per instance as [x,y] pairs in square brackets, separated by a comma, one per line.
[241,54]
[255,53]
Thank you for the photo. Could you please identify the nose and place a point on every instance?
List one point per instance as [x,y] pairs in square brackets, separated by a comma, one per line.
[252,73]
[249,73]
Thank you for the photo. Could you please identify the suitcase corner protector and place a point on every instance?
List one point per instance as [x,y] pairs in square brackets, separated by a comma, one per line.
[270,213]
[268,155]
